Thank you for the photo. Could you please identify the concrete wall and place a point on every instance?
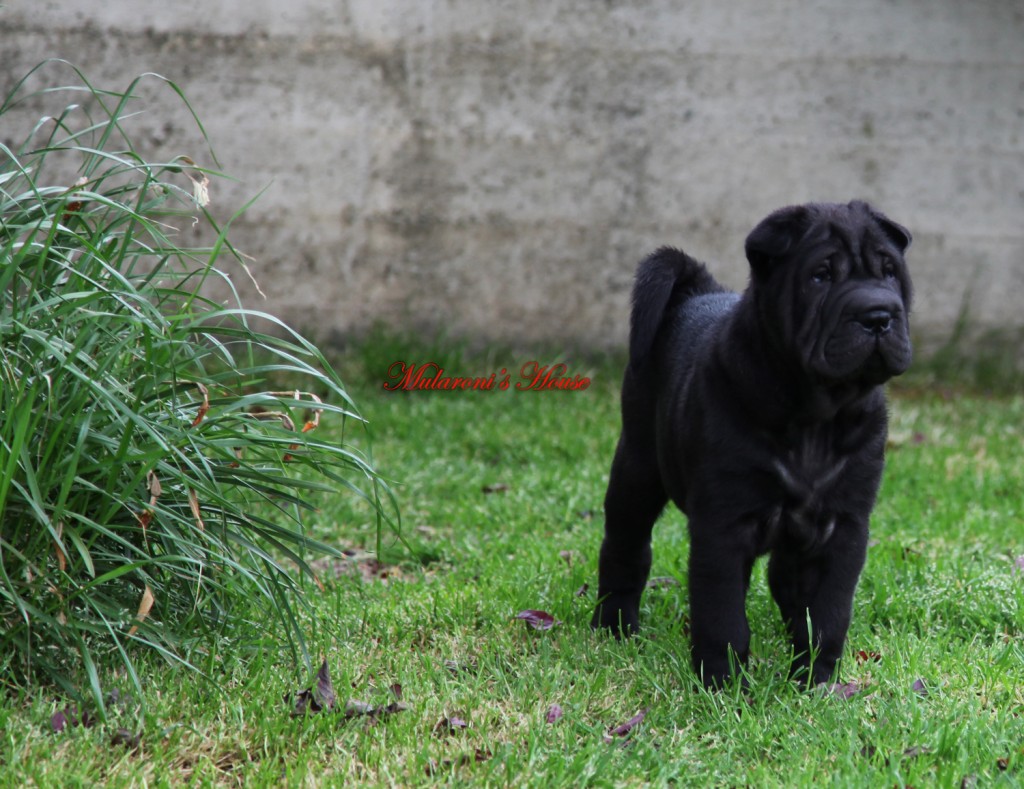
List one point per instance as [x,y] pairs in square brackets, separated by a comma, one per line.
[497,169]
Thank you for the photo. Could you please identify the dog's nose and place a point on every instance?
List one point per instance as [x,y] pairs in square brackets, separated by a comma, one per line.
[876,321]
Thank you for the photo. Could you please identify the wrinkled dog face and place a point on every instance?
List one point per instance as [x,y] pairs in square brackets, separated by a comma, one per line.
[832,283]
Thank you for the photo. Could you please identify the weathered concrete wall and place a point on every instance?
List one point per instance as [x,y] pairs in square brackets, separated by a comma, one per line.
[498,168]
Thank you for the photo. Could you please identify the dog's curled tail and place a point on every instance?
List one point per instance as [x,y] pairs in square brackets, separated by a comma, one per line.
[664,279]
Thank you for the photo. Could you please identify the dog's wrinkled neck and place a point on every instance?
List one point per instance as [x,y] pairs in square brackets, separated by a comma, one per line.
[794,397]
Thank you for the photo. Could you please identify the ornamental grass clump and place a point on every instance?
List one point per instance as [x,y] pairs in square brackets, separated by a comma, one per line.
[153,487]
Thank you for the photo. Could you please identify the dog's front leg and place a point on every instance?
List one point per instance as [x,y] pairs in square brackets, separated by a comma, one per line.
[819,586]
[719,576]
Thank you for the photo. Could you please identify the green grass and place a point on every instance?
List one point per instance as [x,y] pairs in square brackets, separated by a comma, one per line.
[940,602]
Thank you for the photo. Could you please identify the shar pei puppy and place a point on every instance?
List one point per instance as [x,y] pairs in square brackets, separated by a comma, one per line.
[762,416]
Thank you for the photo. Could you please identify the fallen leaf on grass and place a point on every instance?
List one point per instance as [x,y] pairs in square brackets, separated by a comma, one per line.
[919,687]
[322,697]
[354,707]
[456,668]
[450,725]
[324,690]
[624,729]
[917,750]
[497,487]
[657,583]
[538,620]
[554,713]
[357,563]
[61,719]
[127,739]
[68,718]
[864,657]
[479,755]
[115,699]
[360,709]
[388,709]
[582,591]
[846,690]
[318,698]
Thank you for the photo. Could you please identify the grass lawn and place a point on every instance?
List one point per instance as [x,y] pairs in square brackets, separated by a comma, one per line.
[438,683]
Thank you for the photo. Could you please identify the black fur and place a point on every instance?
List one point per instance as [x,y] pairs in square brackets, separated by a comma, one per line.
[762,417]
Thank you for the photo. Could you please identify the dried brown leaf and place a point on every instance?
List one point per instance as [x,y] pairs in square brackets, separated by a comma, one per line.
[145,606]
[271,416]
[204,406]
[193,504]
[318,698]
[62,559]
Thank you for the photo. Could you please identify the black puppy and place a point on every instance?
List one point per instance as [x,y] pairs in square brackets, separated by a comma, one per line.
[763,418]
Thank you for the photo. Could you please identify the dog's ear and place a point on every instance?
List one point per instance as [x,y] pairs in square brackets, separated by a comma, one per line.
[776,233]
[895,232]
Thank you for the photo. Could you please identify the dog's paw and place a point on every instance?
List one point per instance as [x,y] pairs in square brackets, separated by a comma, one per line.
[717,675]
[621,620]
[808,675]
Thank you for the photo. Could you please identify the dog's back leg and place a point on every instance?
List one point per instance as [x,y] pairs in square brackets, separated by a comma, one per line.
[634,500]
[636,496]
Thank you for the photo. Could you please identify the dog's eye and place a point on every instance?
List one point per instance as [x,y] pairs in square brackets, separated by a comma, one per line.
[886,263]
[822,274]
